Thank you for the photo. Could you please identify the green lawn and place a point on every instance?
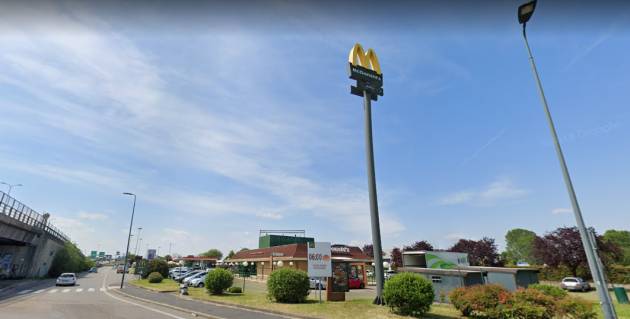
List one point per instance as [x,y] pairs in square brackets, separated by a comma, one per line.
[623,311]
[165,286]
[359,308]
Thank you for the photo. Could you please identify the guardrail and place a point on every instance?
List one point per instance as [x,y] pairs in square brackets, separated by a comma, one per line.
[13,208]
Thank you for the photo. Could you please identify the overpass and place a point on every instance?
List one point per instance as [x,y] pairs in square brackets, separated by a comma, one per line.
[28,242]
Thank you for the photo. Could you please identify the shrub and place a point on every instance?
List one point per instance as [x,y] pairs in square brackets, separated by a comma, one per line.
[479,300]
[288,285]
[69,259]
[549,290]
[576,308]
[218,280]
[156,265]
[408,294]
[529,303]
[235,290]
[155,277]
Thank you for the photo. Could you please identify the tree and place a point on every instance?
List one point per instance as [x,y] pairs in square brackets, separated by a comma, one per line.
[213,253]
[368,249]
[69,259]
[168,258]
[396,257]
[230,254]
[520,246]
[419,245]
[564,247]
[620,238]
[480,252]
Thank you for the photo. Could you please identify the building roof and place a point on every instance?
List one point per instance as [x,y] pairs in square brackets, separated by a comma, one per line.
[499,269]
[197,258]
[299,251]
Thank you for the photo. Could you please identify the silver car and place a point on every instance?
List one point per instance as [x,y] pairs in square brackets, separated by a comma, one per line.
[575,284]
[66,279]
[317,284]
[188,279]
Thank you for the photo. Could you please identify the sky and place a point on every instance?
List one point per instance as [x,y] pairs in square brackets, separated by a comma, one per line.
[225,118]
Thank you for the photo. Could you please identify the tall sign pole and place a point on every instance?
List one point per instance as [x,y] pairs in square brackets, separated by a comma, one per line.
[365,69]
[525,12]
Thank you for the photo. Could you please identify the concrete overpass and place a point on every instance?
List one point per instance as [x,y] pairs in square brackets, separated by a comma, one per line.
[28,242]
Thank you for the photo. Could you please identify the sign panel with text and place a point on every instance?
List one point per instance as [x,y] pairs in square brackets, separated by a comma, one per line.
[319,259]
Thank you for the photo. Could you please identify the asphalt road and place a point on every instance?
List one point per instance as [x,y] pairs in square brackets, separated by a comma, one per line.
[91,298]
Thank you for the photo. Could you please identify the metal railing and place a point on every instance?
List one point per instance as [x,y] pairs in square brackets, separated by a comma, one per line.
[14,209]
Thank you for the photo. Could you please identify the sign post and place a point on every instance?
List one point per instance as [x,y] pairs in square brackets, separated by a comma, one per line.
[366,70]
[319,263]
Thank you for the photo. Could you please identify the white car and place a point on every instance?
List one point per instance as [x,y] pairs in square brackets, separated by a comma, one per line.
[188,279]
[317,283]
[66,279]
[199,281]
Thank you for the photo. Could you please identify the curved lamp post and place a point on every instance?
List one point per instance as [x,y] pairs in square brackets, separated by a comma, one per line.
[525,12]
[133,210]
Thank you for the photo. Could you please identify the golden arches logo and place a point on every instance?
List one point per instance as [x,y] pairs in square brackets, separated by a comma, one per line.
[368,59]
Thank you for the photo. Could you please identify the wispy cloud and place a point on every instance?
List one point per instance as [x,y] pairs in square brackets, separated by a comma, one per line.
[561,211]
[500,190]
[270,215]
[92,216]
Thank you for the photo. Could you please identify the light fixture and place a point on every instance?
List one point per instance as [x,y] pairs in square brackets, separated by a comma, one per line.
[245,264]
[280,263]
[290,263]
[385,264]
[525,11]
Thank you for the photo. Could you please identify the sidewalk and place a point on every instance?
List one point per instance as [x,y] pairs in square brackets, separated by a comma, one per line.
[212,310]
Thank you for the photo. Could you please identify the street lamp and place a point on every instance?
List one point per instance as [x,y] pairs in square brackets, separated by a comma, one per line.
[280,263]
[133,210]
[525,12]
[137,241]
[11,186]
[245,264]
[366,70]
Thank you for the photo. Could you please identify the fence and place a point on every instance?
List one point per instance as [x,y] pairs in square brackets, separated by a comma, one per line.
[13,208]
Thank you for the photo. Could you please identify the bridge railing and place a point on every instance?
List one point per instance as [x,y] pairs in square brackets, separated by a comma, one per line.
[16,210]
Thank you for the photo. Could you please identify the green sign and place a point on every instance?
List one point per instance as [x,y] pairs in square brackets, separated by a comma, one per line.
[93,254]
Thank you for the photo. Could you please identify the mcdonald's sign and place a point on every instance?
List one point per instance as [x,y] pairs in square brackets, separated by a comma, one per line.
[366,70]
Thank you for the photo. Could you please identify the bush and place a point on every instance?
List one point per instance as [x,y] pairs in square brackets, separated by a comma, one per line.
[218,280]
[235,290]
[288,285]
[549,290]
[529,303]
[408,294]
[576,308]
[69,259]
[156,265]
[479,300]
[155,277]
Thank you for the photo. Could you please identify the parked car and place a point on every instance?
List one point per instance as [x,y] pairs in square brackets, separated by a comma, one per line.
[575,284]
[120,269]
[199,281]
[194,276]
[355,283]
[389,274]
[317,284]
[93,269]
[181,277]
[66,279]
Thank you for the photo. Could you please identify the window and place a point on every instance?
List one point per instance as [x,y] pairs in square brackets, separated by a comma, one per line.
[436,279]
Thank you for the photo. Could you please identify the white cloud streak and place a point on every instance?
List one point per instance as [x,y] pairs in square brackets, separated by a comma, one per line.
[500,190]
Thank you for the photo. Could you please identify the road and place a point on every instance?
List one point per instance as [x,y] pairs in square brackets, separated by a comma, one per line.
[91,298]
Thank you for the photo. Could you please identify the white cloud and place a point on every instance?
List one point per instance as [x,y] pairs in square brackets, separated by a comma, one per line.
[92,216]
[270,215]
[559,211]
[498,191]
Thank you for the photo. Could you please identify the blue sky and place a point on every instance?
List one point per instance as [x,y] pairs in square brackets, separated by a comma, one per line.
[226,119]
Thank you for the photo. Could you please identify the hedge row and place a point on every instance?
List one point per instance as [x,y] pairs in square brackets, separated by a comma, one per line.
[616,273]
[537,302]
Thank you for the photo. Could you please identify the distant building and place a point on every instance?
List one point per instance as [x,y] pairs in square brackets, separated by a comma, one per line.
[450,270]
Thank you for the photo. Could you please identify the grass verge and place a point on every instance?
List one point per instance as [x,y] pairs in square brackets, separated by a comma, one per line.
[167,285]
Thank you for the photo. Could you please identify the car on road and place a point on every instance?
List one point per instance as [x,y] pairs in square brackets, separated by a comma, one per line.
[120,269]
[574,284]
[93,269]
[315,283]
[355,283]
[66,279]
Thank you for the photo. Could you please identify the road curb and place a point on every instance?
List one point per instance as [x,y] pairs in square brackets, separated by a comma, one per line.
[217,303]
[118,291]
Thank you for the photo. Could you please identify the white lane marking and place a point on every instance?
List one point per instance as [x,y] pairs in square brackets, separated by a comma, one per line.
[148,308]
[24,291]
[79,289]
[53,291]
[65,290]
[91,290]
[41,290]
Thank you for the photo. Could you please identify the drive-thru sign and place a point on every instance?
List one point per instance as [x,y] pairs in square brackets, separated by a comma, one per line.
[319,259]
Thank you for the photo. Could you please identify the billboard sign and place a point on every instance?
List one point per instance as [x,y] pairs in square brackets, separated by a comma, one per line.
[151,254]
[340,277]
[446,260]
[93,254]
[101,254]
[319,259]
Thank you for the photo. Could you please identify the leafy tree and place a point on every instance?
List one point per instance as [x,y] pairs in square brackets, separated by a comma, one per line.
[419,245]
[564,247]
[396,257]
[69,259]
[480,252]
[168,257]
[230,254]
[214,253]
[620,238]
[156,265]
[520,246]
[368,249]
